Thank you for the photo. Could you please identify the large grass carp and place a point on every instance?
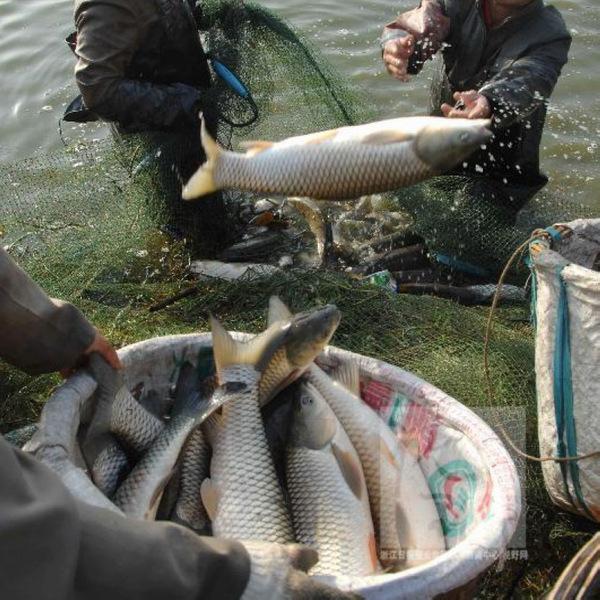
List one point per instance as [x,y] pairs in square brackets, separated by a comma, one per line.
[343,163]
[195,464]
[330,502]
[243,496]
[140,494]
[133,424]
[395,481]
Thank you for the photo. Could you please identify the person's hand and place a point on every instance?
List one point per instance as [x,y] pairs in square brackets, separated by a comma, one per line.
[101,346]
[469,105]
[396,54]
[277,571]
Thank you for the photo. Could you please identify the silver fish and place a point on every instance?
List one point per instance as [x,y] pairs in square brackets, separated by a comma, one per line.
[135,426]
[243,497]
[55,442]
[140,494]
[394,479]
[341,163]
[110,468]
[330,502]
[195,463]
[98,436]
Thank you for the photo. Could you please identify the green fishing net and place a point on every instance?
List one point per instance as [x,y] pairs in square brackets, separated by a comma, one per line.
[85,223]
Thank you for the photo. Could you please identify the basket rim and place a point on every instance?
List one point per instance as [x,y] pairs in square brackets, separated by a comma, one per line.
[484,545]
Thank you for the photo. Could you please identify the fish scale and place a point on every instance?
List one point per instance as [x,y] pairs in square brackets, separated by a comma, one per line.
[351,172]
[381,477]
[189,509]
[139,494]
[109,468]
[250,503]
[133,424]
[335,539]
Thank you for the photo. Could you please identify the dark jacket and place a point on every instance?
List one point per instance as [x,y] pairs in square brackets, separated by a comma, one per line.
[516,66]
[56,548]
[140,63]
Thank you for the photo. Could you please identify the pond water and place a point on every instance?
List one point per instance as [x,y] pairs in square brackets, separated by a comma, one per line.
[36,78]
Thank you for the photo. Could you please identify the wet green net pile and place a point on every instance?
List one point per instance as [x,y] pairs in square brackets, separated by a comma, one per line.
[82,223]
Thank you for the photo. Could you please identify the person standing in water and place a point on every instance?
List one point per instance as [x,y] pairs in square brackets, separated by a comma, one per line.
[141,66]
[501,60]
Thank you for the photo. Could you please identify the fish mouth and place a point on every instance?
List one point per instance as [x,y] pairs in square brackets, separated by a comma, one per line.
[310,333]
[483,134]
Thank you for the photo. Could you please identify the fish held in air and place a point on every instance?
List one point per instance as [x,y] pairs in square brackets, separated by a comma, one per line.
[342,163]
[329,498]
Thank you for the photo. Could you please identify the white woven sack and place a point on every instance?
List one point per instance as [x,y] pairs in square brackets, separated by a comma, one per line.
[567,267]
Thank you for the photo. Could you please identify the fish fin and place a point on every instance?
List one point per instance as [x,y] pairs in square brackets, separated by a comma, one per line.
[351,470]
[255,352]
[210,497]
[278,310]
[384,451]
[202,181]
[255,147]
[321,136]
[388,136]
[373,553]
[348,375]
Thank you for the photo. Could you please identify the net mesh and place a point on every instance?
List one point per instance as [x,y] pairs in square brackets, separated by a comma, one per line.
[83,223]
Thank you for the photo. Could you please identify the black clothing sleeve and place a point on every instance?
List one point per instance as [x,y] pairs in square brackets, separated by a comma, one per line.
[521,87]
[109,34]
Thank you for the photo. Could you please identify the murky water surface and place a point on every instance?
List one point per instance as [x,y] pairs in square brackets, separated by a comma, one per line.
[36,78]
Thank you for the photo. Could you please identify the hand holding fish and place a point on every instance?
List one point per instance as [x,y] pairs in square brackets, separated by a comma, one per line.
[101,346]
[469,105]
[278,571]
[396,54]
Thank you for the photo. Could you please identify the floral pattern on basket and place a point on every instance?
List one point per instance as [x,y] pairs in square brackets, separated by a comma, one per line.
[462,493]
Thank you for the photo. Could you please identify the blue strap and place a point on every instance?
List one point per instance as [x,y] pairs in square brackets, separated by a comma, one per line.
[563,397]
[461,265]
[555,234]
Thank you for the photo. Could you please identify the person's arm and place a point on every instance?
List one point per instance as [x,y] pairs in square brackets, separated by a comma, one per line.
[414,37]
[38,334]
[520,88]
[55,547]
[108,36]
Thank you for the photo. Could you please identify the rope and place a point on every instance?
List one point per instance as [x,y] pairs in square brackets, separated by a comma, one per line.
[486,359]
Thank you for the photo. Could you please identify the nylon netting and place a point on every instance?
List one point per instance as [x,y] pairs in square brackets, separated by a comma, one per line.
[85,223]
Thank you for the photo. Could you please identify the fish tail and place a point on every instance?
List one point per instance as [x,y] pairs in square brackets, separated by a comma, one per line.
[202,181]
[229,352]
[278,310]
